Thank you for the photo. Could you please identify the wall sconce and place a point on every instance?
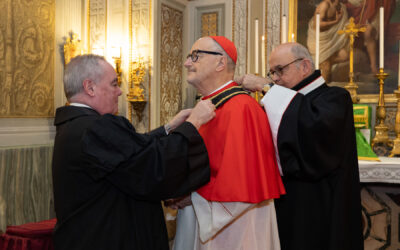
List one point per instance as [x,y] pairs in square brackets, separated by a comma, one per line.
[116,55]
[72,47]
[135,96]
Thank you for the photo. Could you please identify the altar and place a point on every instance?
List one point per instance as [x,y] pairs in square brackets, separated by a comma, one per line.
[380,198]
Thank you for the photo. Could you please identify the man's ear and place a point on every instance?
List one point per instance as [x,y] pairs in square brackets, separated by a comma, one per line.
[222,63]
[88,87]
[306,66]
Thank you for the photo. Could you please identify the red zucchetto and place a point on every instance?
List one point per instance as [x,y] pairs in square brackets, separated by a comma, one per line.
[227,45]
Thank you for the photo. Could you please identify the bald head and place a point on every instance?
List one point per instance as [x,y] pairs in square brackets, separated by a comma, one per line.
[290,63]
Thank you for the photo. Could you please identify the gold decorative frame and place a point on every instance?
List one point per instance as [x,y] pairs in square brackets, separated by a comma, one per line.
[292,23]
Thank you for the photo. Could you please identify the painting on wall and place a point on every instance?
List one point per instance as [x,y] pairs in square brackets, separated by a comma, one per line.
[334,48]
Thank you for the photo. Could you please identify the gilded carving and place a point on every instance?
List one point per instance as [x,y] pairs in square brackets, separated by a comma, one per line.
[209,24]
[171,62]
[72,47]
[27,58]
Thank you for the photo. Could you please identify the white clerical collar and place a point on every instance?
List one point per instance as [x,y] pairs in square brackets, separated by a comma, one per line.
[76,104]
[312,85]
[221,87]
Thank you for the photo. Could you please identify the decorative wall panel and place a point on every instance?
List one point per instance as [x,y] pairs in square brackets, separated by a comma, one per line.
[273,26]
[98,24]
[26,190]
[27,58]
[239,34]
[171,62]
[209,24]
[141,44]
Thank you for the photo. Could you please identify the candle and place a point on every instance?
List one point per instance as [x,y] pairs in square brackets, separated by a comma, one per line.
[263,56]
[256,46]
[283,30]
[381,27]
[292,37]
[317,42]
[398,77]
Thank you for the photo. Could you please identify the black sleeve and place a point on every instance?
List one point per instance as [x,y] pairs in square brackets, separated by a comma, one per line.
[158,132]
[316,134]
[146,166]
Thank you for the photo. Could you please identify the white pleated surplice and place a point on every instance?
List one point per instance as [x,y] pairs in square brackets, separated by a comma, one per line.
[226,226]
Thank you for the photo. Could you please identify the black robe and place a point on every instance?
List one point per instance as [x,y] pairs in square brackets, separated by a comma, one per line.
[318,155]
[109,180]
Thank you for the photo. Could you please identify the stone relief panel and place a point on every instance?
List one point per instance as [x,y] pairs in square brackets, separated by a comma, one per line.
[141,31]
[171,62]
[239,34]
[209,24]
[27,58]
[273,20]
[98,24]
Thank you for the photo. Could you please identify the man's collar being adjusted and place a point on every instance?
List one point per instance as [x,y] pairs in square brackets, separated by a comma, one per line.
[307,80]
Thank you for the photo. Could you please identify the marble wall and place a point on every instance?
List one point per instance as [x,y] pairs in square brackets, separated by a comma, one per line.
[26,193]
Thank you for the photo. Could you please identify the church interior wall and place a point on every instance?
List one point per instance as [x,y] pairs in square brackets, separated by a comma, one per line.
[27,133]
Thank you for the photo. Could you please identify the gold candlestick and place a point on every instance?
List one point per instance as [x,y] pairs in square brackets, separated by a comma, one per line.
[256,94]
[381,130]
[396,141]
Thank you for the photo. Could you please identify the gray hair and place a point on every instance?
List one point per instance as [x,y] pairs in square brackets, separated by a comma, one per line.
[79,69]
[299,51]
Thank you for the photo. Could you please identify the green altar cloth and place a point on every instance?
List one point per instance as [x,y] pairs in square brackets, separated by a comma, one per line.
[362,120]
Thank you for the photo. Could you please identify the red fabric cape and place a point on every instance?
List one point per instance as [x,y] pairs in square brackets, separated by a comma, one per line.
[241,153]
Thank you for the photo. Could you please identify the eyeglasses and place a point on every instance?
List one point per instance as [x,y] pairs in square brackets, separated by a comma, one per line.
[279,69]
[194,56]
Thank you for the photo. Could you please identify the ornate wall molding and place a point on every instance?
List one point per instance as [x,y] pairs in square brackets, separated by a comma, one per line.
[142,45]
[239,34]
[98,25]
[171,62]
[273,26]
[27,58]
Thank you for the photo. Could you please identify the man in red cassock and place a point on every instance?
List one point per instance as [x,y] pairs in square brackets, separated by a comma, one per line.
[235,210]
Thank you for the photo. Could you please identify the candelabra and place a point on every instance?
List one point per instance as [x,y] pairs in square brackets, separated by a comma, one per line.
[381,130]
[135,96]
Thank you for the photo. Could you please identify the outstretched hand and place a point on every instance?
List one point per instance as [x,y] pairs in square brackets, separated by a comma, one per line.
[252,82]
[202,113]
[179,118]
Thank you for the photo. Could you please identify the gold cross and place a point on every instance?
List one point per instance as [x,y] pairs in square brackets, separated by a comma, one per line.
[352,31]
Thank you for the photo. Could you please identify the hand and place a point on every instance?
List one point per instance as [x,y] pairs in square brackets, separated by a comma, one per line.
[202,113]
[179,118]
[339,15]
[179,203]
[252,82]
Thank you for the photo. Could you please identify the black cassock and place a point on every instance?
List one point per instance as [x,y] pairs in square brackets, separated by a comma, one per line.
[318,156]
[109,180]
